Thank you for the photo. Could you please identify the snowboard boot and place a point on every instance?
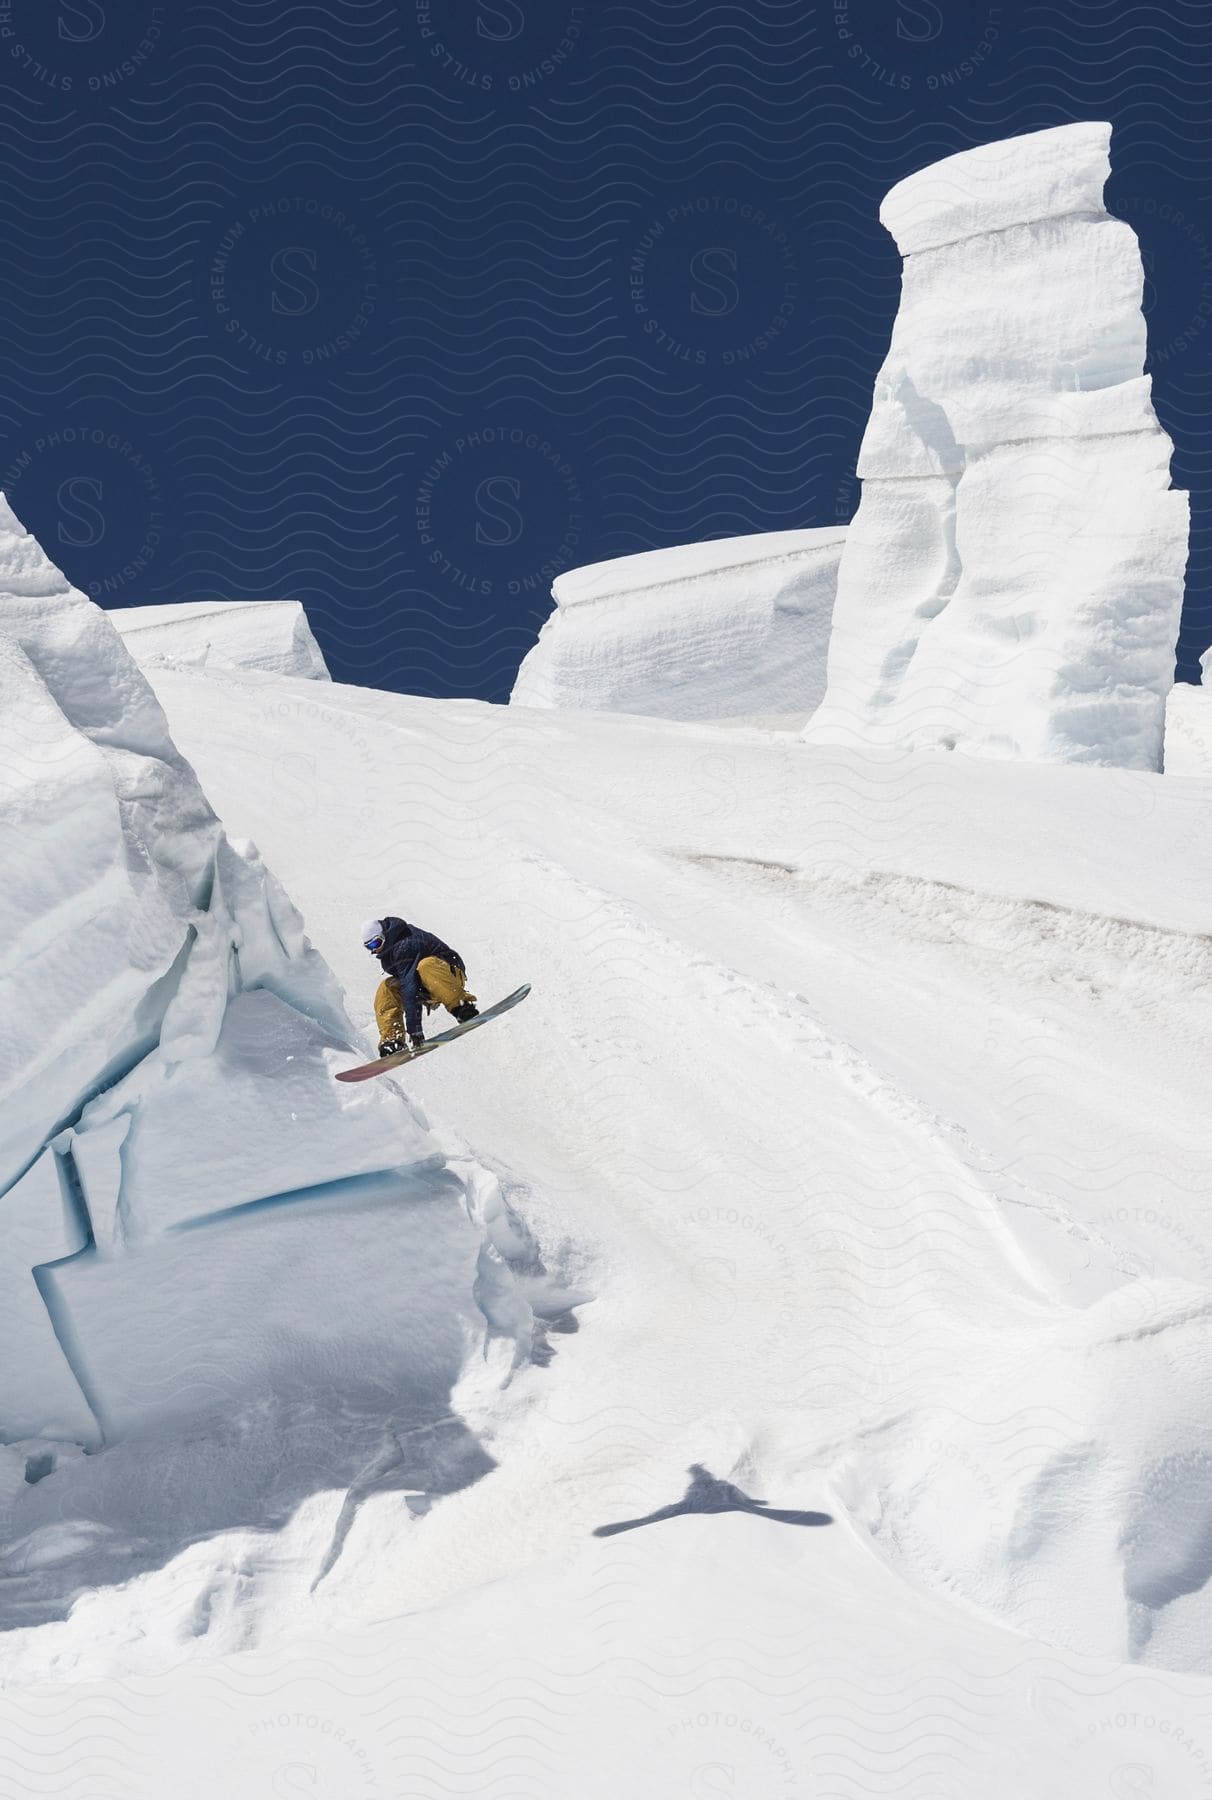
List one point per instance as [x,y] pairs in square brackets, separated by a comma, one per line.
[467,1010]
[393,1046]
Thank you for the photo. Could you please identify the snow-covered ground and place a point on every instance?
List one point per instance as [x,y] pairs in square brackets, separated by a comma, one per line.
[774,1359]
[209,1248]
[859,1117]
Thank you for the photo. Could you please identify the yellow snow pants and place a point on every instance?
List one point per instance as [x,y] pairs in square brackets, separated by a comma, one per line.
[441,985]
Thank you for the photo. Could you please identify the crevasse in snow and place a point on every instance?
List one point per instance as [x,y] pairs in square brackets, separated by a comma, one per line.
[1012,581]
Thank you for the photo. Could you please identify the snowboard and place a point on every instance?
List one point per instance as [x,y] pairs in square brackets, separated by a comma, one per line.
[367,1070]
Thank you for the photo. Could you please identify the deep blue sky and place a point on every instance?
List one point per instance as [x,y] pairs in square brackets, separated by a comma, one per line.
[399,306]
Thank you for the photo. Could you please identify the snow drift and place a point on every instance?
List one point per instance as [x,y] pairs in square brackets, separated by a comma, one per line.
[272,635]
[169,1038]
[1012,581]
[734,627]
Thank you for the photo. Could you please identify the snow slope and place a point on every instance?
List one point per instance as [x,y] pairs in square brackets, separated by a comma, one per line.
[734,627]
[859,1103]
[205,1236]
[273,635]
[1012,581]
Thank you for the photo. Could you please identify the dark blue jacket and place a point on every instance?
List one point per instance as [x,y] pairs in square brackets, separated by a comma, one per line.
[404,946]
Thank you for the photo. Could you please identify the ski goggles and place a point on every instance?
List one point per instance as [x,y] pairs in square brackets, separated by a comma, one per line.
[374,945]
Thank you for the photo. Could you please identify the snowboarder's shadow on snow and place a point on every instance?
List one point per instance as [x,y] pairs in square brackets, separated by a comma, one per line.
[708,1494]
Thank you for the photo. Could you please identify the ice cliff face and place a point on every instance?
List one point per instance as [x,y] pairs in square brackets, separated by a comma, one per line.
[166,1056]
[270,635]
[1189,724]
[1012,581]
[734,627]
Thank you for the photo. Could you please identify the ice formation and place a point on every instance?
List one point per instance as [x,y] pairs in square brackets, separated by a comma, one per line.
[1012,581]
[270,635]
[1189,724]
[879,1085]
[866,1095]
[734,627]
[168,1042]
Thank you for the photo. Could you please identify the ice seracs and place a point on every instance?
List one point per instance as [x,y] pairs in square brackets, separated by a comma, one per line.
[269,635]
[732,628]
[167,1045]
[1189,724]
[1012,581]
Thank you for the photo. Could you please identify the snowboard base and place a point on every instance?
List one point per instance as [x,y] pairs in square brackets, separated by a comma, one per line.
[367,1070]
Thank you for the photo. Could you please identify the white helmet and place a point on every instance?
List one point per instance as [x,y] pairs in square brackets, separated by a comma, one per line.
[372,930]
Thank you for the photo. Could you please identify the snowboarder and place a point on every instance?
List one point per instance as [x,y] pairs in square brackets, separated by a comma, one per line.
[420,971]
